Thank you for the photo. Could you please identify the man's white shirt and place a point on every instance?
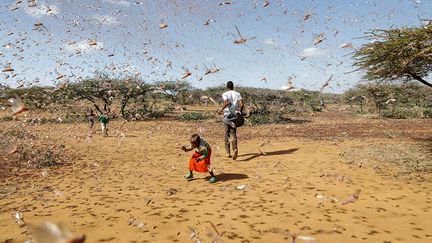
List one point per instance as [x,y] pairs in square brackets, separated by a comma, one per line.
[234,98]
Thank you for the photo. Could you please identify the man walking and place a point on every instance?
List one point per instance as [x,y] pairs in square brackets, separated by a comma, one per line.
[232,107]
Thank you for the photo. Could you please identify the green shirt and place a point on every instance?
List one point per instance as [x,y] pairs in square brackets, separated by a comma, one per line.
[203,149]
[104,119]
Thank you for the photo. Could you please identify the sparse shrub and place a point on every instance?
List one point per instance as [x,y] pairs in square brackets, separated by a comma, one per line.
[270,117]
[399,101]
[26,150]
[68,119]
[195,116]
[389,134]
[157,114]
[259,119]
[16,132]
[411,158]
[427,113]
[39,157]
[6,118]
[402,113]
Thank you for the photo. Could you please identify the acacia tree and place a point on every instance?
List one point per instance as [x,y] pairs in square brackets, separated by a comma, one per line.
[392,99]
[397,54]
[131,90]
[173,89]
[103,91]
[99,91]
[34,97]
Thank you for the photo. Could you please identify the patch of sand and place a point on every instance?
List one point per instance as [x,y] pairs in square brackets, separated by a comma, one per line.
[117,190]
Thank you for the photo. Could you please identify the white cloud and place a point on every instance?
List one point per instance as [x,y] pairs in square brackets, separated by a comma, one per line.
[118,2]
[84,46]
[270,42]
[107,20]
[313,52]
[42,10]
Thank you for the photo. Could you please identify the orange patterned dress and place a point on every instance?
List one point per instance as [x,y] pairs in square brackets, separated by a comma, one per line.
[200,160]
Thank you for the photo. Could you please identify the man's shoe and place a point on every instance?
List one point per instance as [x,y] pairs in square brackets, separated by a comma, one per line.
[235,155]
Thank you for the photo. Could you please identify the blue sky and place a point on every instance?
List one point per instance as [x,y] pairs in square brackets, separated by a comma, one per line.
[128,40]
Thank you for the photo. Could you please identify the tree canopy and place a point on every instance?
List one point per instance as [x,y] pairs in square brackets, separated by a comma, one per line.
[103,91]
[173,89]
[397,54]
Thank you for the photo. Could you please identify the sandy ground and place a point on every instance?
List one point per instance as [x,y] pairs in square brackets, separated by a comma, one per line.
[129,187]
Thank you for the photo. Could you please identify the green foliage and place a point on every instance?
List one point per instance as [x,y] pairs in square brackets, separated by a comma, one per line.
[259,96]
[266,116]
[397,54]
[135,91]
[157,114]
[259,120]
[103,91]
[266,97]
[195,116]
[174,90]
[257,100]
[306,100]
[99,91]
[192,97]
[392,101]
[34,97]
[427,113]
[274,117]
[404,113]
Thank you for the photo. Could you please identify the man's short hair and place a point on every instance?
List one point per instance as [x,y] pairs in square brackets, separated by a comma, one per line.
[230,85]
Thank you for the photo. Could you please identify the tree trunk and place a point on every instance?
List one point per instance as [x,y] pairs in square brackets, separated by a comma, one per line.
[123,106]
[97,108]
[92,101]
[107,103]
[418,78]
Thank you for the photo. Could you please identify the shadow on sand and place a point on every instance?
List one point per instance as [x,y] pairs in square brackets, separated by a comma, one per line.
[229,176]
[256,155]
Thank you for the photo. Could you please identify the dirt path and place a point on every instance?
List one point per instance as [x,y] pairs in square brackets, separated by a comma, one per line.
[117,191]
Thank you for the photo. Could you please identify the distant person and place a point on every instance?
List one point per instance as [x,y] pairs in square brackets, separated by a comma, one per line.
[232,107]
[104,120]
[91,118]
[323,104]
[200,160]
